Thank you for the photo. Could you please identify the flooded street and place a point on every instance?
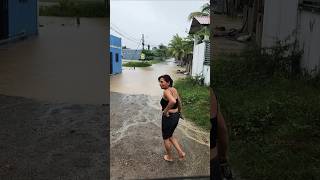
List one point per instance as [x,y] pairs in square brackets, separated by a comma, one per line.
[143,80]
[64,63]
[52,123]
[136,142]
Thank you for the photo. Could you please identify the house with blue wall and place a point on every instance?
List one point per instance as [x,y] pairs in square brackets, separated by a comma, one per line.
[115,55]
[131,54]
[18,18]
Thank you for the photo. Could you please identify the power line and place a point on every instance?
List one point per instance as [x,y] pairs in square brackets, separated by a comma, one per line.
[124,36]
[123,32]
[138,47]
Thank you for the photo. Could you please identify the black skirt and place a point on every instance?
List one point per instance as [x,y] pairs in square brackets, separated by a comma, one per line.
[169,124]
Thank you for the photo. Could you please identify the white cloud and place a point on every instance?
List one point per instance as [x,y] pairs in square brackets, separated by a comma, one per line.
[158,20]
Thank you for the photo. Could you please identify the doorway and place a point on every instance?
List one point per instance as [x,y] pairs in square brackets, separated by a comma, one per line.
[3,19]
[111,62]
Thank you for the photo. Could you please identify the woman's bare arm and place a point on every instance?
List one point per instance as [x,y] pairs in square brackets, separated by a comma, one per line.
[179,103]
[214,104]
[172,101]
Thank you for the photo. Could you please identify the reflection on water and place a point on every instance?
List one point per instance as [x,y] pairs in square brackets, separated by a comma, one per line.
[143,80]
[63,63]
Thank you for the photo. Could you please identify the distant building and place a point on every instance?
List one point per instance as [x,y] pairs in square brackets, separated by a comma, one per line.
[18,18]
[274,20]
[115,55]
[131,54]
[199,65]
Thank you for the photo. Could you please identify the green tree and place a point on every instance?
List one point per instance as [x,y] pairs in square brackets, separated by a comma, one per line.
[164,51]
[148,54]
[205,11]
[179,47]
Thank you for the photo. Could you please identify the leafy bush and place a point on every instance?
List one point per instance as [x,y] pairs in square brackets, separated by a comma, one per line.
[148,54]
[69,8]
[272,111]
[195,101]
[137,64]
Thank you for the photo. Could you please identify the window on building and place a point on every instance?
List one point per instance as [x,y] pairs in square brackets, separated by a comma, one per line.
[310,4]
[23,1]
[207,54]
[117,57]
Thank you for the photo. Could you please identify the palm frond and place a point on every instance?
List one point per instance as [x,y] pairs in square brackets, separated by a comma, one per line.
[206,8]
[194,14]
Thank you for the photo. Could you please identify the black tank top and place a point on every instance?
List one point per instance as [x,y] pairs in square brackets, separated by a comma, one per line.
[164,103]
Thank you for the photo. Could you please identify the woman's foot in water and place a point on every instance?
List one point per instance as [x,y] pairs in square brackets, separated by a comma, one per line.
[168,158]
[182,156]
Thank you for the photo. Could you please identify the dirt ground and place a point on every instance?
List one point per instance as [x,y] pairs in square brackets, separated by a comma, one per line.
[223,45]
[56,141]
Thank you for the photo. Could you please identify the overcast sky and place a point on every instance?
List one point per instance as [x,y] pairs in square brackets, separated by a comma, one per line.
[158,20]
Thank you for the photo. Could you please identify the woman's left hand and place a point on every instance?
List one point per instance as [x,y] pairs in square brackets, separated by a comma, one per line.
[166,113]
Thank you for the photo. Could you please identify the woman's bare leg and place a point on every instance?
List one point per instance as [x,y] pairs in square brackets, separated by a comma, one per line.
[167,145]
[222,140]
[176,144]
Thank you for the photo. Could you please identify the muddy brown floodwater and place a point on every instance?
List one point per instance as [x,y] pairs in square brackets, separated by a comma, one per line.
[143,80]
[135,128]
[64,63]
[52,123]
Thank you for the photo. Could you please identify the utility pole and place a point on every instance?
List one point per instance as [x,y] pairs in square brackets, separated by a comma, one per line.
[142,42]
[148,47]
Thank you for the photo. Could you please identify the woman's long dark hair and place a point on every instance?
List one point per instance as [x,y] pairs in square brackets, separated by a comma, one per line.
[167,78]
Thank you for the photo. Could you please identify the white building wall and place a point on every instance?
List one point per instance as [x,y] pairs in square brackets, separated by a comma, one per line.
[309,39]
[206,74]
[198,59]
[282,18]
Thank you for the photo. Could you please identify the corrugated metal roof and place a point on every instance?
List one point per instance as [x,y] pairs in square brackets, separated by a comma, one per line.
[203,19]
[198,22]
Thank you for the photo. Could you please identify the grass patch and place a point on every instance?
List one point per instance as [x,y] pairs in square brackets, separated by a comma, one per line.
[195,101]
[137,64]
[67,8]
[273,119]
[156,61]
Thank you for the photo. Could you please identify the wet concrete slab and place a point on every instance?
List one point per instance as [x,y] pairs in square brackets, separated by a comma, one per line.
[44,140]
[137,146]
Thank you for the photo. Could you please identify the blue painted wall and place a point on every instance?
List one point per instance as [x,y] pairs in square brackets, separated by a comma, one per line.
[23,17]
[115,49]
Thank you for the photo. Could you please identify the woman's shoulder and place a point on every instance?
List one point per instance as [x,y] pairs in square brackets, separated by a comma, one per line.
[176,91]
[173,89]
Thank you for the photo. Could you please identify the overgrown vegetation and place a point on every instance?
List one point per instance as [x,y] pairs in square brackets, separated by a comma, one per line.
[180,47]
[155,61]
[70,8]
[137,64]
[273,113]
[195,99]
[161,53]
[148,54]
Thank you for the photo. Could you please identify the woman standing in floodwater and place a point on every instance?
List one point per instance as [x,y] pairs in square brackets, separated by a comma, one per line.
[171,108]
